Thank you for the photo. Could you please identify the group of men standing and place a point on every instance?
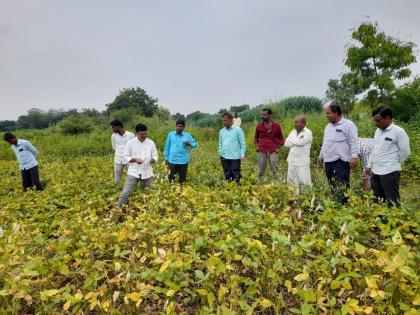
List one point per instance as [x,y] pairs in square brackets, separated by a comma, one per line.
[341,148]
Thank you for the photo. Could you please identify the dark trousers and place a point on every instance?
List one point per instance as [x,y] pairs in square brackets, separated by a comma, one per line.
[387,187]
[338,175]
[231,169]
[30,177]
[180,169]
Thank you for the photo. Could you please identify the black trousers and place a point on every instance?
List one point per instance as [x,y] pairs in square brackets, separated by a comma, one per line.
[231,169]
[30,177]
[338,175]
[180,169]
[387,187]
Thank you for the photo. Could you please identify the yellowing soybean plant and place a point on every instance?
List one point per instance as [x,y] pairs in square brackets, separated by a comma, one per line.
[209,247]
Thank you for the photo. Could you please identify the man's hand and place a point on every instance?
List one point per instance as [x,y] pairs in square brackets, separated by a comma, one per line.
[353,163]
[256,148]
[367,172]
[242,159]
[320,162]
[152,161]
[187,143]
[167,163]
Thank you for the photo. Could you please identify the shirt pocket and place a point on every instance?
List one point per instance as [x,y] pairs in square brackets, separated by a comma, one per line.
[339,135]
[387,144]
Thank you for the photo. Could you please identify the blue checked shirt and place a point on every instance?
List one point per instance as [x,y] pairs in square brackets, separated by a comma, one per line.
[175,150]
[25,154]
[366,146]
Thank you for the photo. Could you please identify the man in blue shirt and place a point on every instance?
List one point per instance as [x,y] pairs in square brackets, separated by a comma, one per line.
[232,148]
[26,156]
[177,151]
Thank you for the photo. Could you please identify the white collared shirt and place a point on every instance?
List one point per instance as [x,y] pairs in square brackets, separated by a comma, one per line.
[146,151]
[300,147]
[340,142]
[391,147]
[118,144]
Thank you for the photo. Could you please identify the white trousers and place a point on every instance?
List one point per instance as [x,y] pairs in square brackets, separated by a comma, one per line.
[299,176]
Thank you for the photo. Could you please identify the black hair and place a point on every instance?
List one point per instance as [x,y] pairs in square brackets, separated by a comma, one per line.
[8,136]
[383,111]
[335,108]
[268,110]
[116,123]
[141,127]
[227,115]
[180,121]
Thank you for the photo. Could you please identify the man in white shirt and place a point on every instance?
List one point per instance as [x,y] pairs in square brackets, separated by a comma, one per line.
[141,154]
[299,141]
[119,140]
[391,148]
[339,151]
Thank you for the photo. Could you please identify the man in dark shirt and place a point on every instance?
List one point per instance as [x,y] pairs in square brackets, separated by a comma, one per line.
[268,139]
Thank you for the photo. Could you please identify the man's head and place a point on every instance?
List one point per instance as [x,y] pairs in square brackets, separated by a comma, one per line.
[333,112]
[180,125]
[382,116]
[227,120]
[300,122]
[266,114]
[116,126]
[141,131]
[10,137]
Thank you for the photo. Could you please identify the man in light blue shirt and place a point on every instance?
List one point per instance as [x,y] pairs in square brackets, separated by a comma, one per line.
[177,151]
[232,148]
[26,155]
[391,148]
[339,151]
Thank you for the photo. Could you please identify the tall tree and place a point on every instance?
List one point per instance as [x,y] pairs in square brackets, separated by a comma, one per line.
[343,91]
[376,61]
[134,98]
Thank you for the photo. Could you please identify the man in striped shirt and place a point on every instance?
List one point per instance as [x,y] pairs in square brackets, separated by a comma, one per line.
[366,146]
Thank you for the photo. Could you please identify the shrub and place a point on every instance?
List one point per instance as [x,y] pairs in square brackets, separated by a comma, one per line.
[73,125]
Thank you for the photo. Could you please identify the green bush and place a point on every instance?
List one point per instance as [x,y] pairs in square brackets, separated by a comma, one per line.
[74,125]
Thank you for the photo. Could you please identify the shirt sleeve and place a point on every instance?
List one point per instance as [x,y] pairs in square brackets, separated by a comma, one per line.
[220,142]
[288,143]
[167,147]
[242,142]
[321,153]
[353,140]
[127,153]
[403,143]
[301,140]
[192,141]
[31,148]
[113,142]
[256,136]
[281,138]
[154,153]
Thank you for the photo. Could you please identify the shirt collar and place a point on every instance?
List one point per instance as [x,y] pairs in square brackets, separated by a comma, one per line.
[389,127]
[339,122]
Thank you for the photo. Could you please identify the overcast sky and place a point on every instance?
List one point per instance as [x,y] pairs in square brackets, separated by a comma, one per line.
[190,54]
